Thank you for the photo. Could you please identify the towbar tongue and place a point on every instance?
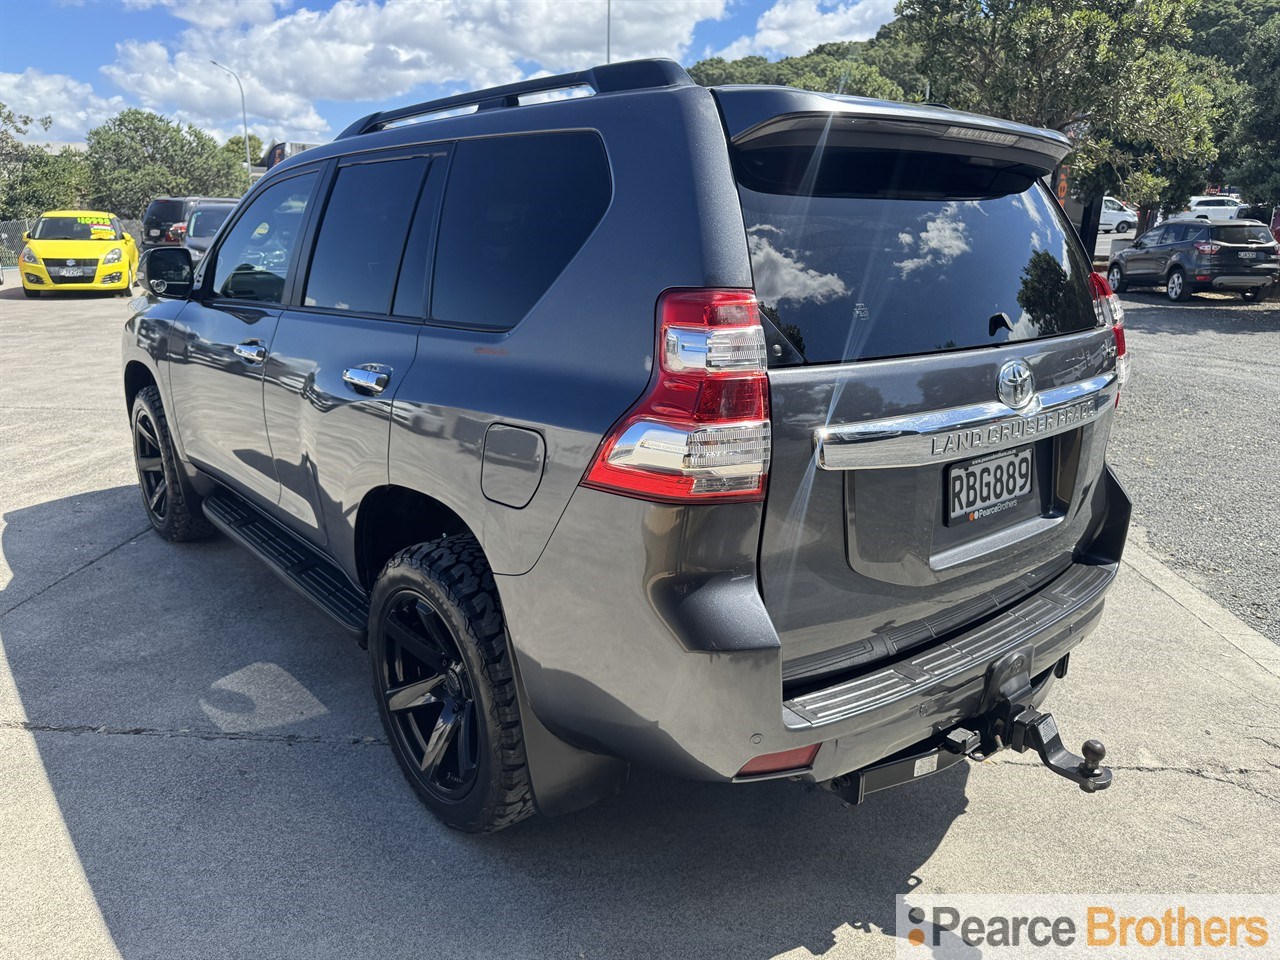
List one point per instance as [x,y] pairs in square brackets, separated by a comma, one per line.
[1007,719]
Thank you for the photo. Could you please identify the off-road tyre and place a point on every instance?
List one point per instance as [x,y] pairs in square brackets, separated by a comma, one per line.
[452,577]
[175,513]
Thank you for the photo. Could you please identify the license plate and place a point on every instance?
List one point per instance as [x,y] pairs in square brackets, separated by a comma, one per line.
[990,485]
[1248,254]
[71,272]
[154,233]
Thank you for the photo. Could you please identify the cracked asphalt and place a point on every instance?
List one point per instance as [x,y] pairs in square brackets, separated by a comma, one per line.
[191,765]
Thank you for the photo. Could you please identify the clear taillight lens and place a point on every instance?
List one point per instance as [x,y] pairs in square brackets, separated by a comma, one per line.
[1204,246]
[701,431]
[1109,311]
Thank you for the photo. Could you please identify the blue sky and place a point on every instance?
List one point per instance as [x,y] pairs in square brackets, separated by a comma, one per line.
[311,66]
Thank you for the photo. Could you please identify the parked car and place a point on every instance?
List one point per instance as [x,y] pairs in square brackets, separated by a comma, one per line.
[626,429]
[1190,255]
[77,250]
[202,226]
[163,213]
[1216,207]
[1117,216]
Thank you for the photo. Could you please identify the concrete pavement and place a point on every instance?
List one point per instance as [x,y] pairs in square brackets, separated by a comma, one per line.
[191,764]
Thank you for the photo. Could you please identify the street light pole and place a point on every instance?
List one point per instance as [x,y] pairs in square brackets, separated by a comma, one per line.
[608,31]
[244,116]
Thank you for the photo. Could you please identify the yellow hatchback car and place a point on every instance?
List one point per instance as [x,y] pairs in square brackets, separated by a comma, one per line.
[77,250]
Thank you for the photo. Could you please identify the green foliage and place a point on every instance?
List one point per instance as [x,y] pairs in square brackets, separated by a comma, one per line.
[1255,143]
[234,148]
[46,182]
[1223,28]
[138,155]
[830,68]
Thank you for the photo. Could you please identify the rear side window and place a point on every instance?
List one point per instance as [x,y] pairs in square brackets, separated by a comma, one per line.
[888,255]
[362,235]
[516,211]
[1242,234]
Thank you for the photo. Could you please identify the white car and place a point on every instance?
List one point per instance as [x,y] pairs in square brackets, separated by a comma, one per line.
[1214,207]
[1116,216]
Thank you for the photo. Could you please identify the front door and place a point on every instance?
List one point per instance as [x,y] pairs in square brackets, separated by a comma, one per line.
[222,338]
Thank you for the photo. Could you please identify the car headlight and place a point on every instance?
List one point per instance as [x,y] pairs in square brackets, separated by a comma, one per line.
[113,256]
[29,256]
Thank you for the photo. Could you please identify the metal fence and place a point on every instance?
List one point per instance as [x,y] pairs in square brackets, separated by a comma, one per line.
[11,232]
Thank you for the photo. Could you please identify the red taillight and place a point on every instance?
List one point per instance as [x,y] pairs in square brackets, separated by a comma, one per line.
[1206,247]
[701,431]
[795,759]
[1107,306]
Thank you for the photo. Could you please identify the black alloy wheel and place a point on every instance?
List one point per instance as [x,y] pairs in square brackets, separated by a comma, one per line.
[429,697]
[151,473]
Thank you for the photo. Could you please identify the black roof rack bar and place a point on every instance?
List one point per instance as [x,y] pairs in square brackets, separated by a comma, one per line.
[610,78]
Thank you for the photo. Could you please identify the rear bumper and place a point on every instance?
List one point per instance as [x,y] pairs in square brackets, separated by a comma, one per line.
[1244,282]
[646,654]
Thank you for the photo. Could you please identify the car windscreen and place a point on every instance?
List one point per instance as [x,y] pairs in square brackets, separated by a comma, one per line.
[74,228]
[1245,233]
[205,221]
[165,211]
[872,254]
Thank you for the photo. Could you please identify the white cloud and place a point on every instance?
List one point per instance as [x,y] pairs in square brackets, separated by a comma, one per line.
[793,27]
[73,105]
[941,241]
[780,275]
[215,14]
[358,50]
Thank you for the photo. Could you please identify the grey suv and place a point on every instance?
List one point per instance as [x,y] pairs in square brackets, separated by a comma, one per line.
[1192,255]
[742,433]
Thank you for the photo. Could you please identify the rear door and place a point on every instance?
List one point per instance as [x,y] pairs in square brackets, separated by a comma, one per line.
[344,348]
[1244,250]
[940,385]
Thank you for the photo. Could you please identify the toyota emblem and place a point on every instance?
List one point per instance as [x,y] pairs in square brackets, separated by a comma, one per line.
[1015,384]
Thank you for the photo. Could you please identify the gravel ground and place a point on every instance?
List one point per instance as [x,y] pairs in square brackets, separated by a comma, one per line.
[1198,447]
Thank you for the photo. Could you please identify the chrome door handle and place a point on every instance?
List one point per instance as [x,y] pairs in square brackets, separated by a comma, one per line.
[373,377]
[251,350]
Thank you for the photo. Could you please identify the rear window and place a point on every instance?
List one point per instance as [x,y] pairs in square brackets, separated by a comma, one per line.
[516,210]
[873,254]
[205,221]
[166,211]
[1242,234]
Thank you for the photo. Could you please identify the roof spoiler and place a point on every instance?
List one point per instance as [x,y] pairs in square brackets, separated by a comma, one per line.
[609,78]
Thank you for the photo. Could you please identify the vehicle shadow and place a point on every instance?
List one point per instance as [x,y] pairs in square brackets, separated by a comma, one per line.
[216,758]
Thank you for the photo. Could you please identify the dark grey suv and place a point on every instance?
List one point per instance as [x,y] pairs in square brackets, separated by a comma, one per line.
[742,433]
[1193,255]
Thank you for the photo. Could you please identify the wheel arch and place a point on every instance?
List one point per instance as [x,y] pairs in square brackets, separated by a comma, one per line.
[137,376]
[391,518]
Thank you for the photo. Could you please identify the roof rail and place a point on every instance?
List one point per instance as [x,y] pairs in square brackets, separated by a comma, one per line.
[609,78]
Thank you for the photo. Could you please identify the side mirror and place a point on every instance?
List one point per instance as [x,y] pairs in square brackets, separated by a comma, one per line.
[128,238]
[26,235]
[1139,243]
[167,272]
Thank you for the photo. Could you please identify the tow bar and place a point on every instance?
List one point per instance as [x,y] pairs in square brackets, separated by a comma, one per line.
[1005,718]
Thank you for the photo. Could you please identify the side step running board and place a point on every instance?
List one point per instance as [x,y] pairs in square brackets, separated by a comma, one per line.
[291,558]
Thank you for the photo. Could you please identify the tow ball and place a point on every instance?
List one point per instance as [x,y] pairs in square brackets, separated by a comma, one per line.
[1007,719]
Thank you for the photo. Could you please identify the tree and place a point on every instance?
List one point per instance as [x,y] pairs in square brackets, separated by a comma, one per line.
[1222,28]
[1106,72]
[138,155]
[46,182]
[830,68]
[1255,143]
[235,149]
[14,155]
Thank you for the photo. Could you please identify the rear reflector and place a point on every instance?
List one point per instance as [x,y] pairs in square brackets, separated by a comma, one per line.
[701,431]
[1107,306]
[796,759]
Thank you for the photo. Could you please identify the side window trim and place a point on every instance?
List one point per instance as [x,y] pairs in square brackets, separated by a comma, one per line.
[209,265]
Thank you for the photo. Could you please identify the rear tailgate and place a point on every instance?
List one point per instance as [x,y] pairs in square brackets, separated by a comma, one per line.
[1246,250]
[901,278]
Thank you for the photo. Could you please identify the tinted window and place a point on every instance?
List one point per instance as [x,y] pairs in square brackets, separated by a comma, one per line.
[856,278]
[1156,236]
[1242,234]
[362,235]
[415,265]
[253,260]
[205,221]
[516,210]
[166,211]
[1174,233]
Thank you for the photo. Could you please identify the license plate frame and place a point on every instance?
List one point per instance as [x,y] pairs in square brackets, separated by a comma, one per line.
[71,271]
[1247,254]
[978,500]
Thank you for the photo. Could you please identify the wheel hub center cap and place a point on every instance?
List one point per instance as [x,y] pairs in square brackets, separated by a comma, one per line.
[453,682]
